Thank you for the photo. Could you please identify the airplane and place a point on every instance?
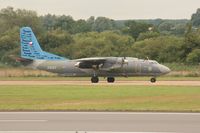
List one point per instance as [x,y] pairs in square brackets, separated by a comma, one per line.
[34,57]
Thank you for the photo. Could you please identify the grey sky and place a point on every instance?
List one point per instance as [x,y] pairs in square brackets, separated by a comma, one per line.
[116,9]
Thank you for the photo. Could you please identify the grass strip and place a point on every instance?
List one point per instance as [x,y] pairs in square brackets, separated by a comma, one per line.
[100,98]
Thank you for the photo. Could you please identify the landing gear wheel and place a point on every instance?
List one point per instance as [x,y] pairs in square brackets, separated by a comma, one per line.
[110,79]
[153,80]
[95,79]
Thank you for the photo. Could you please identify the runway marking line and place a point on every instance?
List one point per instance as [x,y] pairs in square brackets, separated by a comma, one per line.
[23,120]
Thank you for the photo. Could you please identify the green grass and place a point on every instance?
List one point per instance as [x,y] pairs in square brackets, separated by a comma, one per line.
[100,98]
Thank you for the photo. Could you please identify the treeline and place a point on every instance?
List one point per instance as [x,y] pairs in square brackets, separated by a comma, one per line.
[167,41]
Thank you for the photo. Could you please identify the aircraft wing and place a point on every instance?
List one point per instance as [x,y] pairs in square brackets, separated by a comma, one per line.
[106,64]
[92,59]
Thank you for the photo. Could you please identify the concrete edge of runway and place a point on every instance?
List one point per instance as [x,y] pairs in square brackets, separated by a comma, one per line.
[75,132]
[99,112]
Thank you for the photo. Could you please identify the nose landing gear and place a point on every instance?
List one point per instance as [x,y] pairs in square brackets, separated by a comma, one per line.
[110,79]
[153,80]
[95,79]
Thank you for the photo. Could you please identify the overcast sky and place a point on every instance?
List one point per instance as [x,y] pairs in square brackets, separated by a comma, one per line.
[115,9]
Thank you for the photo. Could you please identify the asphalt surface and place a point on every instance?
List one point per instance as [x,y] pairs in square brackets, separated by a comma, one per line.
[81,83]
[100,121]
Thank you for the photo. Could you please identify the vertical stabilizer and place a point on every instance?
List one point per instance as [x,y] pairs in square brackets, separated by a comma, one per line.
[30,48]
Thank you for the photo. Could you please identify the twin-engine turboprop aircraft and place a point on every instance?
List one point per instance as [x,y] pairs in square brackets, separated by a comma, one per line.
[33,56]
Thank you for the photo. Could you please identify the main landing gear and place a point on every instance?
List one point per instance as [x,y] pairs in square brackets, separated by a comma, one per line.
[153,80]
[95,79]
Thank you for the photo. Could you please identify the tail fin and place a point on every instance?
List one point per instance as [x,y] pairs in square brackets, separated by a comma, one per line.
[30,48]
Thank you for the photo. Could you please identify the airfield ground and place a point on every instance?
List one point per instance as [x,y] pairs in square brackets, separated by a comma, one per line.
[26,95]
[101,83]
[55,78]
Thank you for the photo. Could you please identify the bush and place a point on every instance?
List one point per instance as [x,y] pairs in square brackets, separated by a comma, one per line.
[194,57]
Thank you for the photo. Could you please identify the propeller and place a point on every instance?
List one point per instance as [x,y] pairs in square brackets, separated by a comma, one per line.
[124,61]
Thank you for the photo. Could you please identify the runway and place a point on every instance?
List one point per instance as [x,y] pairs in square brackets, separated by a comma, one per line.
[100,121]
[85,83]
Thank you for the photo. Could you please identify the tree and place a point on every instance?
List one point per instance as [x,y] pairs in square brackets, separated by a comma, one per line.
[179,29]
[194,57]
[9,41]
[166,26]
[147,35]
[134,28]
[102,24]
[56,41]
[192,41]
[82,26]
[196,18]
[90,21]
[11,18]
[162,48]
[49,21]
[66,23]
[94,44]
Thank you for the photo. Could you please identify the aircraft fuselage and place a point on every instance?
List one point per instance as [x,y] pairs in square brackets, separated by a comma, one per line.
[133,67]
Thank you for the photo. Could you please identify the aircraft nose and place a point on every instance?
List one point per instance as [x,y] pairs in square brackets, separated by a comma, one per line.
[164,69]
